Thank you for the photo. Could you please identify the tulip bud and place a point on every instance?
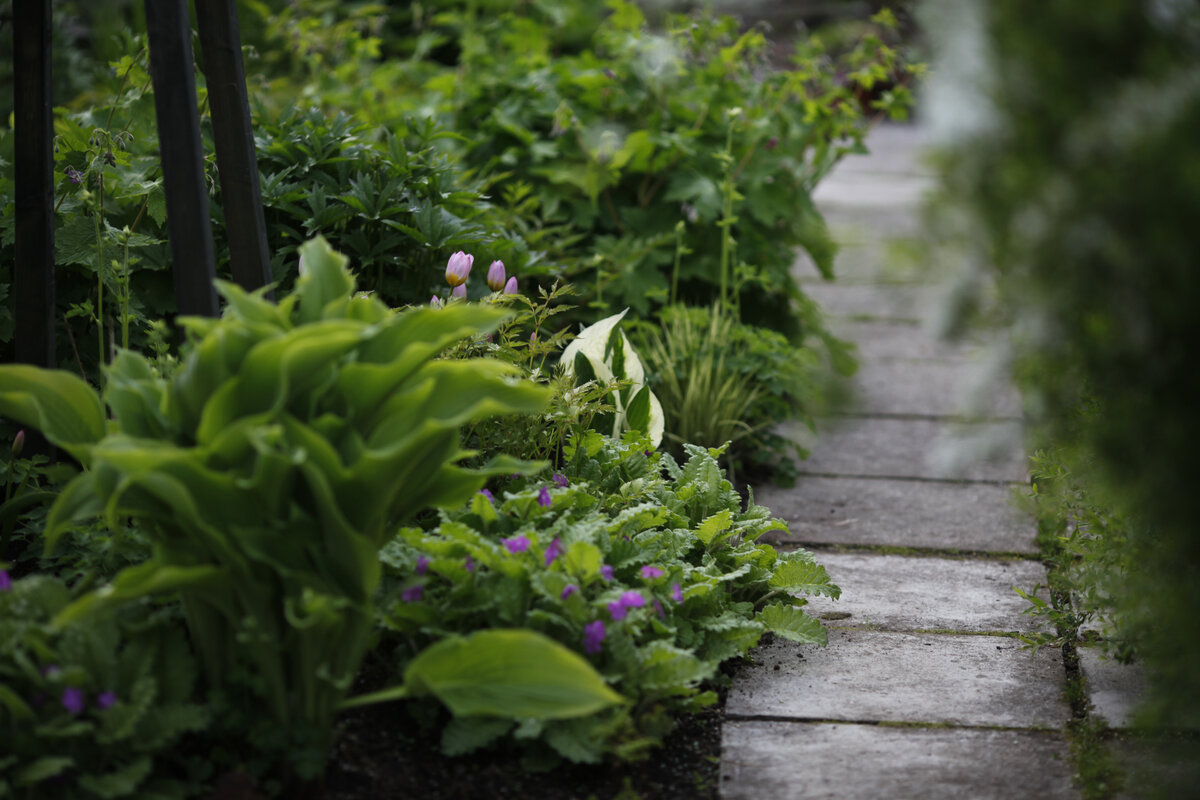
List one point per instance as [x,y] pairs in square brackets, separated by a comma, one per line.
[18,444]
[511,286]
[458,268]
[434,302]
[459,291]
[495,276]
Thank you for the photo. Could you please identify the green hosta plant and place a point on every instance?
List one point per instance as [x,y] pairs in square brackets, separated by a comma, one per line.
[649,569]
[602,353]
[269,469]
[92,709]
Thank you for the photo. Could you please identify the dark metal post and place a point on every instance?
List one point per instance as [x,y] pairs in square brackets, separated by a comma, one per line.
[188,225]
[221,50]
[33,272]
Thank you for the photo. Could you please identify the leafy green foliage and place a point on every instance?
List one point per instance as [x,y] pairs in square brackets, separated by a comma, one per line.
[725,381]
[270,467]
[94,709]
[649,568]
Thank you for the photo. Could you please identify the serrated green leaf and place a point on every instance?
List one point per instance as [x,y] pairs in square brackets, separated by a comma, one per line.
[803,576]
[793,624]
[711,527]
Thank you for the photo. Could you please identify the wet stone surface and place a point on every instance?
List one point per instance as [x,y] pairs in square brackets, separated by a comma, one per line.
[782,760]
[904,448]
[906,593]
[900,513]
[878,676]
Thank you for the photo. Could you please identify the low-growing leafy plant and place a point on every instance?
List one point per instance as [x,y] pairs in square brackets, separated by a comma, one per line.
[94,709]
[269,469]
[651,569]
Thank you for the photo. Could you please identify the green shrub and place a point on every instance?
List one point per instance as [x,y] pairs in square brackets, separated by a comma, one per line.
[289,443]
[650,568]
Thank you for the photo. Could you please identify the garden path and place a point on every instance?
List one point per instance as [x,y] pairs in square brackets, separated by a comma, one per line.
[923,690]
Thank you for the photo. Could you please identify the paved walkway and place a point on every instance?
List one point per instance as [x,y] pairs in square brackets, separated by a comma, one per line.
[923,691]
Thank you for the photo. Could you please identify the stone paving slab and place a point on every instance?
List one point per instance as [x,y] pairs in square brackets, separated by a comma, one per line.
[1115,689]
[907,593]
[784,760]
[866,263]
[901,513]
[891,339]
[913,448]
[903,677]
[867,190]
[904,301]
[932,388]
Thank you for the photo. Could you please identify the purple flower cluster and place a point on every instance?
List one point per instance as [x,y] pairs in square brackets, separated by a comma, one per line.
[5,581]
[413,593]
[517,544]
[627,601]
[593,637]
[568,590]
[422,564]
[560,480]
[606,572]
[544,498]
[554,551]
[650,572]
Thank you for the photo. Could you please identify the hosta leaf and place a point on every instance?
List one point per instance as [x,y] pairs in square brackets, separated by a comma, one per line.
[509,673]
[62,406]
[793,624]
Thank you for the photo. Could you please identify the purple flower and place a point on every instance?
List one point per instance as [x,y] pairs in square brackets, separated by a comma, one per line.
[569,590]
[422,564]
[18,443]
[658,607]
[554,551]
[488,495]
[459,291]
[5,581]
[495,276]
[533,337]
[434,302]
[74,175]
[106,700]
[560,480]
[511,286]
[606,572]
[772,143]
[458,268]
[517,544]
[469,564]
[72,700]
[650,572]
[677,593]
[647,453]
[412,594]
[593,636]
[544,498]
[627,601]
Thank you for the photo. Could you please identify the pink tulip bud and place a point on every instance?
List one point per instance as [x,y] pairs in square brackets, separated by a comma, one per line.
[300,266]
[459,291]
[18,443]
[434,302]
[495,278]
[458,268]
[511,286]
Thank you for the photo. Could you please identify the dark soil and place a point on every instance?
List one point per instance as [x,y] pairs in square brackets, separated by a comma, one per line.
[380,754]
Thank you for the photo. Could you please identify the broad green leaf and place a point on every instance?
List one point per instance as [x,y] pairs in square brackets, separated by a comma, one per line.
[119,783]
[326,279]
[62,406]
[132,583]
[43,768]
[803,576]
[464,735]
[509,673]
[793,624]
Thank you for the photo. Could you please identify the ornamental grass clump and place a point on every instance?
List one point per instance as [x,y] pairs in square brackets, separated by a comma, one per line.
[268,470]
